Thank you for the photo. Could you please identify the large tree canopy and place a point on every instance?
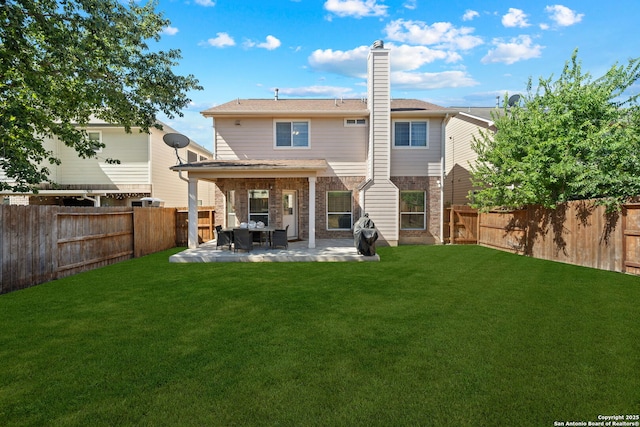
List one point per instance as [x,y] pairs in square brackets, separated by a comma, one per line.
[62,62]
[573,138]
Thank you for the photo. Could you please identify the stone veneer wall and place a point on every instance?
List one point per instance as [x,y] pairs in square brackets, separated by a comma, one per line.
[324,184]
[276,187]
[429,184]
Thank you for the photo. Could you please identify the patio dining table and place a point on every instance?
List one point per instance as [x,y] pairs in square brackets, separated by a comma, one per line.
[262,231]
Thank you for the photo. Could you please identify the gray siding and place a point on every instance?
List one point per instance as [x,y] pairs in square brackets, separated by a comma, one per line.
[419,161]
[344,147]
[381,195]
[459,157]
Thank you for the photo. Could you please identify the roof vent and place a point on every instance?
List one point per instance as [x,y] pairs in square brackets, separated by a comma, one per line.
[378,44]
[276,95]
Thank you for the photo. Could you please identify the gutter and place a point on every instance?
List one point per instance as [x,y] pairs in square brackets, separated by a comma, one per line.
[443,140]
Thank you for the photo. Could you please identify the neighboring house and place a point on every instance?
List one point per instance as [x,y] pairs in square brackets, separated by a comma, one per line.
[143,171]
[317,165]
[460,131]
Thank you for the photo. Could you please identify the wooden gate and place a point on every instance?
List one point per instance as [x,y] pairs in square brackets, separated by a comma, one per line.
[631,238]
[461,225]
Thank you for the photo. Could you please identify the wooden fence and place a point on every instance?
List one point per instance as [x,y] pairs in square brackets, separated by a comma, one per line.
[579,233]
[206,226]
[43,243]
[461,225]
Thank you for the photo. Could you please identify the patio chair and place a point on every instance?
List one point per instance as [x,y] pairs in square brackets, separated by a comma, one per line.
[242,240]
[223,238]
[280,238]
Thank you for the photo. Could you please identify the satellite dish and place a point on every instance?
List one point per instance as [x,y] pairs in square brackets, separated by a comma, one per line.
[176,140]
[513,100]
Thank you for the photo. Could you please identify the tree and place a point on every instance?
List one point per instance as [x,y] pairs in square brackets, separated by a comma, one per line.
[62,62]
[573,138]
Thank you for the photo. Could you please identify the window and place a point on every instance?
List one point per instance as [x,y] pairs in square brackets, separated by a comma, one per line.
[412,210]
[259,206]
[192,156]
[355,122]
[410,134]
[95,139]
[292,134]
[339,210]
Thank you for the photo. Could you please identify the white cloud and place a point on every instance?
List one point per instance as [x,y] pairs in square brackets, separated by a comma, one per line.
[405,57]
[170,31]
[351,63]
[355,8]
[411,4]
[544,26]
[563,16]
[222,40]
[318,92]
[426,81]
[270,43]
[206,3]
[515,18]
[469,15]
[518,49]
[442,34]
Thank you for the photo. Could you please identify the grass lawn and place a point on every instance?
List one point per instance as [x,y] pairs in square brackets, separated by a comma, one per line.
[431,335]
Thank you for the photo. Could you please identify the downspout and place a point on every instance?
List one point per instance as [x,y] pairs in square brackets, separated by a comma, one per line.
[96,200]
[443,141]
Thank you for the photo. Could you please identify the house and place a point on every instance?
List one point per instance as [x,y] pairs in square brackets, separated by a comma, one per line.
[143,171]
[459,156]
[317,165]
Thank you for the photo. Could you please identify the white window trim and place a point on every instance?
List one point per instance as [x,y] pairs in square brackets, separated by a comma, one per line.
[424,211]
[249,213]
[408,147]
[327,210]
[356,124]
[291,147]
[99,132]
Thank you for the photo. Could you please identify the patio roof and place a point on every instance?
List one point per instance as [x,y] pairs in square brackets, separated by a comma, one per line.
[246,168]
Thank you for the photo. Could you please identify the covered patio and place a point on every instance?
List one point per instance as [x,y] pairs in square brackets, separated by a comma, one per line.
[241,171]
[325,250]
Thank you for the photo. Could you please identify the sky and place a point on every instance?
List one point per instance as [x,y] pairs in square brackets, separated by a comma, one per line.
[450,53]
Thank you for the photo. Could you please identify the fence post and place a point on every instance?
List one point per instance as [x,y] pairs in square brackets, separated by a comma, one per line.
[452,225]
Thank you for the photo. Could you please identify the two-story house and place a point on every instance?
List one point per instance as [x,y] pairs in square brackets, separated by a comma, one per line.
[461,131]
[317,165]
[142,172]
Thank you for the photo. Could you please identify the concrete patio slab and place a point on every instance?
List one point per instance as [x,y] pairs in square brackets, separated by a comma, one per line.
[326,250]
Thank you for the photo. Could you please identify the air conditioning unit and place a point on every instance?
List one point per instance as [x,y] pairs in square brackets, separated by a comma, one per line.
[152,202]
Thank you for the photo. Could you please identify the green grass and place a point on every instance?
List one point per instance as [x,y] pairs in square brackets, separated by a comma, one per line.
[455,335]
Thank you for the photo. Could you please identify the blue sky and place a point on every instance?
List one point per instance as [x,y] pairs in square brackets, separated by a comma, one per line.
[451,53]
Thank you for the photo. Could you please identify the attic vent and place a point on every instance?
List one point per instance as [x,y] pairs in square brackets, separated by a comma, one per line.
[378,44]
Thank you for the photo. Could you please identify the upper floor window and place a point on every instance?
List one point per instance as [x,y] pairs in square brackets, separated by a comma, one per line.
[293,134]
[355,122]
[95,139]
[192,156]
[410,134]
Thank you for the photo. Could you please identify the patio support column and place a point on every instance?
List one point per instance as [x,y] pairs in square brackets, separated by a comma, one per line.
[312,212]
[193,213]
